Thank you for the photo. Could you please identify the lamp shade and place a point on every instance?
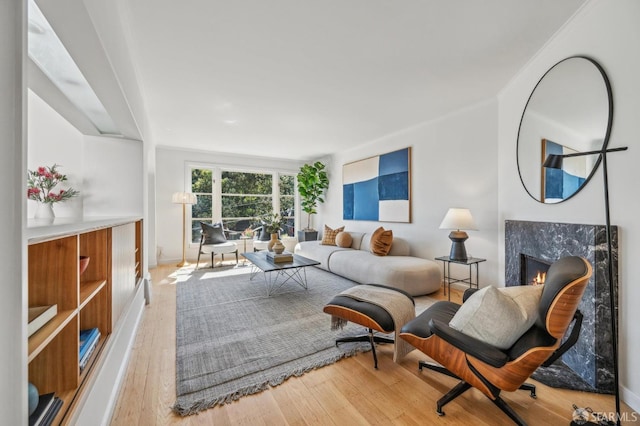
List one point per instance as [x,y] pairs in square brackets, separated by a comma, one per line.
[184,198]
[458,219]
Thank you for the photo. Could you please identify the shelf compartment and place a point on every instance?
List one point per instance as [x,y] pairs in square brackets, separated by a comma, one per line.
[97,312]
[53,273]
[89,289]
[54,366]
[41,338]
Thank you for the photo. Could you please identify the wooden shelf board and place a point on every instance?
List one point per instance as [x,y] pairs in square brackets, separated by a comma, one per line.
[88,290]
[41,338]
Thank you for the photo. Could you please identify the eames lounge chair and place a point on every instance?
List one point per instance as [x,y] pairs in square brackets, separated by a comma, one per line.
[489,368]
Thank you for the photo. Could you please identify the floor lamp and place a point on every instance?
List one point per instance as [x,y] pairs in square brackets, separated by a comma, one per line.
[554,161]
[184,198]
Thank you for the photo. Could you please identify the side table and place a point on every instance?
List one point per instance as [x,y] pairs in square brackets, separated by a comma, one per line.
[448,279]
[244,250]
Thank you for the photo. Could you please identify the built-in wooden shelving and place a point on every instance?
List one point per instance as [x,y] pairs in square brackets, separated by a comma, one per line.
[83,301]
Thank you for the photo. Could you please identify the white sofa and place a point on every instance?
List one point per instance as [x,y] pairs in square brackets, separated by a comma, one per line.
[398,269]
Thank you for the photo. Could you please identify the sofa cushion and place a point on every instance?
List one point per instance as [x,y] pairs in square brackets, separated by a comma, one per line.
[318,252]
[498,316]
[414,275]
[329,235]
[381,241]
[343,239]
[356,240]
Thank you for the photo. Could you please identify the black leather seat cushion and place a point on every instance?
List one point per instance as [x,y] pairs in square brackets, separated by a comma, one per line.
[441,311]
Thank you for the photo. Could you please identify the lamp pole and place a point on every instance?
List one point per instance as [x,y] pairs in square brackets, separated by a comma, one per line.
[184,198]
[555,161]
[184,237]
[612,296]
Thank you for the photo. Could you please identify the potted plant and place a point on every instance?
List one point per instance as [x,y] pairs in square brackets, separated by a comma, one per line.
[40,187]
[273,224]
[312,182]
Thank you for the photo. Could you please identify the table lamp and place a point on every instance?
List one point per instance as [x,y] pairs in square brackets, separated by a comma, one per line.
[458,220]
[184,198]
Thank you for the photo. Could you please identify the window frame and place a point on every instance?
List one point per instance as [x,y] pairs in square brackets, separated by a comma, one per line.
[216,188]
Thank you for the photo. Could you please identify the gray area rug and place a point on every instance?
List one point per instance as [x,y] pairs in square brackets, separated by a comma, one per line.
[232,340]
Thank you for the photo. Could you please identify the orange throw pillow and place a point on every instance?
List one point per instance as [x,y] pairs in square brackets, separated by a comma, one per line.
[381,241]
[343,239]
[329,235]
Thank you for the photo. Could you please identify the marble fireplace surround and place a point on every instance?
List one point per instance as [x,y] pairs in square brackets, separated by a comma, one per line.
[590,358]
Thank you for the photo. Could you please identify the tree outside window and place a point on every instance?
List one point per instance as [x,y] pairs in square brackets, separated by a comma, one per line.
[242,198]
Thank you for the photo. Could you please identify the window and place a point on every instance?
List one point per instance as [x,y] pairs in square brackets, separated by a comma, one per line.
[240,198]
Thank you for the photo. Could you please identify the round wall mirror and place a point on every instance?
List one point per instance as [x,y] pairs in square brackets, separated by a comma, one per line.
[569,111]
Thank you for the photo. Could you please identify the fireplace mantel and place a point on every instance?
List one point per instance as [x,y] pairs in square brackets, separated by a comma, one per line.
[590,358]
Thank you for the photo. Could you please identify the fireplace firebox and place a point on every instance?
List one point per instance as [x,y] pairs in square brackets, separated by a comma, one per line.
[533,270]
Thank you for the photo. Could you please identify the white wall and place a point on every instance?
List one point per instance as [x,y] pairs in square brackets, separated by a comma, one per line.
[107,171]
[453,165]
[53,140]
[113,172]
[171,166]
[608,32]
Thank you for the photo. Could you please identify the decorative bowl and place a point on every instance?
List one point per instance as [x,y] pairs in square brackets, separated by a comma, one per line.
[84,262]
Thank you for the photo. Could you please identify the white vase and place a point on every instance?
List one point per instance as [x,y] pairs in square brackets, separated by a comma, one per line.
[44,211]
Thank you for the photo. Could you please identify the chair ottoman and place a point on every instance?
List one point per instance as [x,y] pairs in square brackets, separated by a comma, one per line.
[372,315]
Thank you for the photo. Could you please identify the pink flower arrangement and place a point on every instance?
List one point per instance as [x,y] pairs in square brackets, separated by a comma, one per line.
[41,183]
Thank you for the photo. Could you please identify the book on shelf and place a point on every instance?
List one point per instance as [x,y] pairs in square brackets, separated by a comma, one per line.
[39,316]
[52,412]
[48,407]
[88,341]
[278,258]
[87,355]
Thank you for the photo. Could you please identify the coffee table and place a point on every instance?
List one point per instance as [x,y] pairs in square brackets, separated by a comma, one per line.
[278,274]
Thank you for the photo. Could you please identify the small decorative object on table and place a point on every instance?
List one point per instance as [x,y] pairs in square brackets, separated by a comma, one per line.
[280,257]
[40,185]
[278,247]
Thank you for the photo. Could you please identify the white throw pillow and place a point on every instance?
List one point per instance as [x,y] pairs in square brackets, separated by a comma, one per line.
[498,316]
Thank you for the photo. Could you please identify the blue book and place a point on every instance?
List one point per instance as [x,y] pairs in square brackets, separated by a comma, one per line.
[87,338]
[90,349]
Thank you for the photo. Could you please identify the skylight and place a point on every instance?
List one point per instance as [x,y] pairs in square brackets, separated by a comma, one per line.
[47,51]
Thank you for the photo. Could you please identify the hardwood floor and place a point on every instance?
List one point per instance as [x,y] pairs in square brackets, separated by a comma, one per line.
[346,393]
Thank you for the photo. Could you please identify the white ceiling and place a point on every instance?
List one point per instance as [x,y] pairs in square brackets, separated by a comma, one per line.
[300,79]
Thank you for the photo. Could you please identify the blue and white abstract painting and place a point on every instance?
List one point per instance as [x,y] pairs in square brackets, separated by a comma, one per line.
[378,188]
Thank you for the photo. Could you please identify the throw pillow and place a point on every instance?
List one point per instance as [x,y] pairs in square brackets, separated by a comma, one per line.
[498,316]
[213,233]
[381,241]
[329,235]
[343,239]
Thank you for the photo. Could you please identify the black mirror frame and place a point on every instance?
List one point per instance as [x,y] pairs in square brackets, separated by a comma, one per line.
[606,137]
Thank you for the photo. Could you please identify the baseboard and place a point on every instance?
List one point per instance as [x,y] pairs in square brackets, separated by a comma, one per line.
[630,398]
[99,403]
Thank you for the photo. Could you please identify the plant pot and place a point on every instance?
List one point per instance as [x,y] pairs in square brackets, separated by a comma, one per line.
[307,235]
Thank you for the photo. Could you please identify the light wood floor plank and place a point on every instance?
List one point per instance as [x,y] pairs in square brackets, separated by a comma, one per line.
[350,392]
